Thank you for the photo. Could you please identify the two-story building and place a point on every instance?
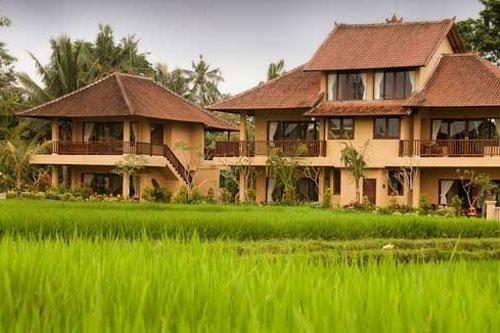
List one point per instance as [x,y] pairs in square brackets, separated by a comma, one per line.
[407,91]
[95,127]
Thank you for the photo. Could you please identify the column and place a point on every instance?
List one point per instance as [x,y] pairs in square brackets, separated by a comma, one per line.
[126,137]
[55,135]
[243,133]
[55,176]
[416,190]
[75,177]
[321,185]
[126,185]
[243,187]
[490,209]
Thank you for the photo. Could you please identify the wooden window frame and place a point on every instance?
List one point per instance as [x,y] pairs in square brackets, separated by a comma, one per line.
[316,128]
[337,185]
[467,120]
[342,131]
[387,126]
[394,73]
[389,187]
[347,87]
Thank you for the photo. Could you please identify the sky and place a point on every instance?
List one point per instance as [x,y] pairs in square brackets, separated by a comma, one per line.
[240,37]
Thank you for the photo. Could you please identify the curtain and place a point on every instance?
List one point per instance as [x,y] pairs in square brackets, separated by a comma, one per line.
[88,178]
[88,130]
[271,182]
[436,126]
[379,81]
[273,127]
[411,75]
[445,188]
[363,79]
[133,126]
[332,87]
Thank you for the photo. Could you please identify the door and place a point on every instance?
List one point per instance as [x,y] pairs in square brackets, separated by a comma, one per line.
[370,190]
[157,139]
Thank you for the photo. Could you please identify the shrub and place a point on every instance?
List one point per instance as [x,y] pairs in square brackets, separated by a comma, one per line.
[327,199]
[424,204]
[456,205]
[181,196]
[157,194]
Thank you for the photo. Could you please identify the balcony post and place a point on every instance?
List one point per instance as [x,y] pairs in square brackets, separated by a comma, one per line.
[243,133]
[55,134]
[126,137]
[415,195]
[55,176]
[126,185]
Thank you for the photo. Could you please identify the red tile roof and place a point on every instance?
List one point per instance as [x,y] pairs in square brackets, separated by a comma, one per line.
[358,108]
[460,80]
[388,45]
[126,95]
[295,89]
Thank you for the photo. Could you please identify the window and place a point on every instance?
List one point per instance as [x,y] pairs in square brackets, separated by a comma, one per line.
[459,129]
[157,134]
[292,130]
[102,131]
[394,84]
[395,182]
[336,181]
[134,132]
[346,86]
[386,128]
[341,128]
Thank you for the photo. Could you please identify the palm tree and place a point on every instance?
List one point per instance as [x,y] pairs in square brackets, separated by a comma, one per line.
[108,57]
[175,80]
[354,161]
[275,69]
[133,61]
[66,72]
[204,81]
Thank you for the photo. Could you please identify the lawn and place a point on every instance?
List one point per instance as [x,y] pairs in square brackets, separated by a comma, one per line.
[97,267]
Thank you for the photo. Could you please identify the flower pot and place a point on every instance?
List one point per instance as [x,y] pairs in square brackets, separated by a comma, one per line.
[3,195]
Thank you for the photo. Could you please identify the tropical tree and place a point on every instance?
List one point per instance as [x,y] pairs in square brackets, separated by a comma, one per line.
[354,160]
[204,82]
[275,69]
[133,60]
[483,33]
[108,57]
[175,80]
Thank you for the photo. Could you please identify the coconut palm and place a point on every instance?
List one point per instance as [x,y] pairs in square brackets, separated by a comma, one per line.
[107,55]
[275,69]
[354,160]
[204,81]
[175,80]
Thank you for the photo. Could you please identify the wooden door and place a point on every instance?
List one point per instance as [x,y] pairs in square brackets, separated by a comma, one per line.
[370,190]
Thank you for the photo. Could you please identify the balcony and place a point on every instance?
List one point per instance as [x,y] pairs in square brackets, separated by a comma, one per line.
[304,148]
[450,148]
[106,148]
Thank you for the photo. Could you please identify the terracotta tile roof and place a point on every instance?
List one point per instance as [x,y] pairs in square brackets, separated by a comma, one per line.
[388,45]
[293,90]
[126,95]
[460,80]
[359,108]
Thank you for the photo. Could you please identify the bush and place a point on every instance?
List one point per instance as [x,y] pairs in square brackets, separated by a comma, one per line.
[424,204]
[456,205]
[157,194]
[327,199]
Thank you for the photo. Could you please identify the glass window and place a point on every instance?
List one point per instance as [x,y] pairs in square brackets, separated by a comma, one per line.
[341,128]
[459,129]
[395,182]
[386,128]
[336,181]
[396,84]
[157,134]
[292,130]
[102,131]
[346,86]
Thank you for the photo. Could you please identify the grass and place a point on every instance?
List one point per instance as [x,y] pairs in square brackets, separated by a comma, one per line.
[106,267]
[107,286]
[44,219]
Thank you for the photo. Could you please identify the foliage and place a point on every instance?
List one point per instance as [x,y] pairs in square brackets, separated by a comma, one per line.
[424,204]
[275,69]
[185,196]
[354,160]
[480,182]
[175,80]
[456,204]
[157,194]
[483,34]
[6,182]
[204,82]
[130,166]
[327,198]
[394,207]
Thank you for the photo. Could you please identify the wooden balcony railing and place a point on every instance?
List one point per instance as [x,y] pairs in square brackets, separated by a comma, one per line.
[121,148]
[450,148]
[309,148]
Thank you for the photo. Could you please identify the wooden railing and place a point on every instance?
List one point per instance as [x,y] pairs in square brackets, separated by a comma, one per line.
[307,148]
[450,148]
[121,148]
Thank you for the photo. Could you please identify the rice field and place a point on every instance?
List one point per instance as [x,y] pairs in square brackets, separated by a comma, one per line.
[80,267]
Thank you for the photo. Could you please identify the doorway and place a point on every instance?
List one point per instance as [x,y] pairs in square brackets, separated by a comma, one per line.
[370,190]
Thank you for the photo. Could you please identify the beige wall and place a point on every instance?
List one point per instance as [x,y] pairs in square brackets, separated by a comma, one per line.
[424,73]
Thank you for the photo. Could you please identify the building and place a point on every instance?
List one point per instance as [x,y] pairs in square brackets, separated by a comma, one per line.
[94,127]
[408,91]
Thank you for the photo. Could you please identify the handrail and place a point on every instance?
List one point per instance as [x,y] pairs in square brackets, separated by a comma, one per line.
[177,165]
[450,148]
[305,148]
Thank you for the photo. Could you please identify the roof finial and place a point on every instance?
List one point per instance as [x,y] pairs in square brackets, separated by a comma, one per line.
[394,19]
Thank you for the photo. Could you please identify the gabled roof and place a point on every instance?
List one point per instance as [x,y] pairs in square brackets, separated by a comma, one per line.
[460,80]
[126,95]
[387,45]
[358,108]
[295,89]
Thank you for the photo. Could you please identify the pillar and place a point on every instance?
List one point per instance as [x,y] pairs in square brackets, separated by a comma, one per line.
[75,177]
[126,185]
[490,209]
[55,134]
[243,134]
[416,190]
[243,187]
[55,176]
[321,184]
[126,137]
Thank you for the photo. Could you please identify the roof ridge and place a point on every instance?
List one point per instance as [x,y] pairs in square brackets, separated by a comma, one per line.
[148,78]
[67,95]
[322,45]
[293,70]
[383,24]
[124,94]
